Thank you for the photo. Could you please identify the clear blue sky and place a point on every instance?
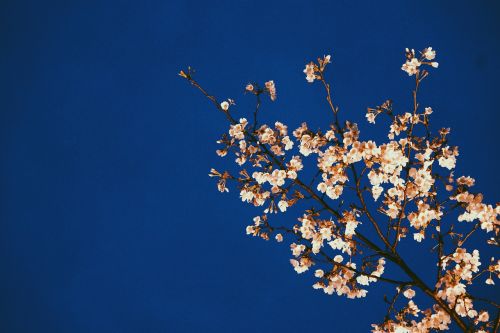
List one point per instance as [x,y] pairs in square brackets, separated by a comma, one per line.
[108,221]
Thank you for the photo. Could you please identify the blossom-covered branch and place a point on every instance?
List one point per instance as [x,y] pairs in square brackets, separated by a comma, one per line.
[403,189]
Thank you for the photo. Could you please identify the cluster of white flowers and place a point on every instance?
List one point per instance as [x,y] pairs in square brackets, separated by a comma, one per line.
[301,264]
[422,218]
[310,72]
[476,210]
[252,195]
[315,231]
[448,159]
[391,160]
[308,142]
[450,286]
[341,280]
[333,173]
[277,177]
[435,319]
[350,218]
[412,64]
[238,131]
[344,279]
[255,228]
[422,177]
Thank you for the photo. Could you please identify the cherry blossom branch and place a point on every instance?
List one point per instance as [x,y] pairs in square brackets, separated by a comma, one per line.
[265,148]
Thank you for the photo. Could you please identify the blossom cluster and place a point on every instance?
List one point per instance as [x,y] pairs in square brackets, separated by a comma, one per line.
[413,63]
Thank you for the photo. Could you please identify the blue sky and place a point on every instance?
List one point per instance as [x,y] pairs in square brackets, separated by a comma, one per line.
[108,221]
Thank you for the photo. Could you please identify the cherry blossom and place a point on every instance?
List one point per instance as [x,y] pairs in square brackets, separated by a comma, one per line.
[363,200]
